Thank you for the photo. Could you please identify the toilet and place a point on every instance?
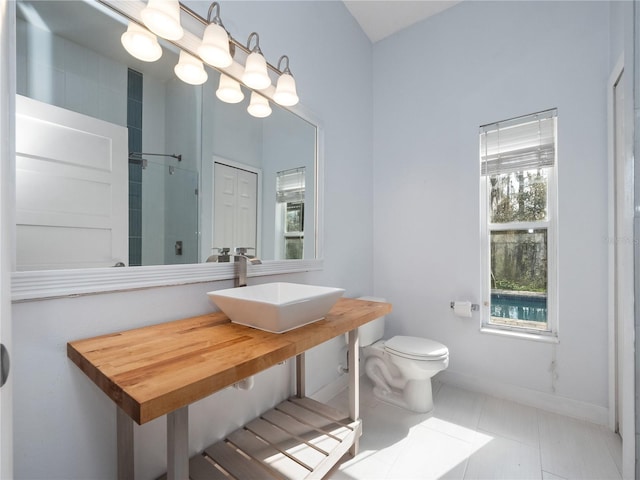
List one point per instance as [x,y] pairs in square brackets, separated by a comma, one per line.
[401,367]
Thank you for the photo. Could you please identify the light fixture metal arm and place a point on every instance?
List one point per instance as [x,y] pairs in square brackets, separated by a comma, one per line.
[286,68]
[257,47]
[233,41]
[216,19]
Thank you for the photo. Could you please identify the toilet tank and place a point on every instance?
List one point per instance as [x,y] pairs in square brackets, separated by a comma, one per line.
[373,331]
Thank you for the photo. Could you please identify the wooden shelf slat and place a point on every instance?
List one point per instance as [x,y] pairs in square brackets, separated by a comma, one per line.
[236,464]
[317,438]
[266,454]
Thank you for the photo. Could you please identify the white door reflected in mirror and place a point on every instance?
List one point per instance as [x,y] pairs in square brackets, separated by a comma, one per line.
[235,217]
[71,196]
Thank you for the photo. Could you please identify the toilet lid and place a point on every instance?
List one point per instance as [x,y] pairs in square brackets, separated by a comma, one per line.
[416,347]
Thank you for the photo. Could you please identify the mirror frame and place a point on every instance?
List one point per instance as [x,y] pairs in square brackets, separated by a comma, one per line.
[46,284]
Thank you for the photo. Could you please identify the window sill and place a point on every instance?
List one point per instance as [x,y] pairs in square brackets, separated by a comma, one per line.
[546,338]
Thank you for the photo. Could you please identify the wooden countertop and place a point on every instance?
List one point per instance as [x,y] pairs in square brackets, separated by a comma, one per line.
[154,370]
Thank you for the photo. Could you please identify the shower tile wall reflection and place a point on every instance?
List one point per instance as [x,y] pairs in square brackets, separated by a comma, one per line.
[134,124]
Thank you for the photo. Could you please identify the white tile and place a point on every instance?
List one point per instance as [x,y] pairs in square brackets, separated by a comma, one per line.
[112,106]
[46,84]
[614,442]
[386,428]
[81,95]
[452,429]
[502,458]
[21,75]
[363,466]
[510,420]
[470,435]
[113,75]
[551,476]
[574,449]
[456,412]
[431,454]
[460,406]
[76,59]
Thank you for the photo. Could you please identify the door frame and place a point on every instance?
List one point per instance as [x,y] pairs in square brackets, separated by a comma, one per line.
[7,222]
[621,241]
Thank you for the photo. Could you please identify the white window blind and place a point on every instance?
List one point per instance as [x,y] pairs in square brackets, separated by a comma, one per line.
[519,143]
[290,185]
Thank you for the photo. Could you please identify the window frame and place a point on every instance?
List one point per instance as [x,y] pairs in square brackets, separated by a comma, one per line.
[551,226]
[288,194]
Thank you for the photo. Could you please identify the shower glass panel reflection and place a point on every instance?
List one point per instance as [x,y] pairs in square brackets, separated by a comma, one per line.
[169,217]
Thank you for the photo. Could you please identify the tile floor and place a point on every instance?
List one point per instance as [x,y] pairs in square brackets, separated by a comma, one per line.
[474,436]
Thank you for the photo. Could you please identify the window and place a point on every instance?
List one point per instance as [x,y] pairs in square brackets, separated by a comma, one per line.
[290,186]
[518,188]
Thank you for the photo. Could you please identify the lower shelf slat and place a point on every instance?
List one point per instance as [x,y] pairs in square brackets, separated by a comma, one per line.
[299,439]
[281,465]
[232,461]
[202,469]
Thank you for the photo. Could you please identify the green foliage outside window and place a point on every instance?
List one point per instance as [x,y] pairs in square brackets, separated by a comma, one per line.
[518,196]
[519,257]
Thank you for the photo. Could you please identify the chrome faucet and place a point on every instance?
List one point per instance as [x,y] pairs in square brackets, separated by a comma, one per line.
[241,259]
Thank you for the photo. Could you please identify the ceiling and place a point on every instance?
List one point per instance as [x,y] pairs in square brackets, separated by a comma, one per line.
[381,18]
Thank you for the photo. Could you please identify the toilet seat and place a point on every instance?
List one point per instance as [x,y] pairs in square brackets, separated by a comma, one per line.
[416,348]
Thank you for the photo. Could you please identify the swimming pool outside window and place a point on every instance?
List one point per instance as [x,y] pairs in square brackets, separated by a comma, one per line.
[518,188]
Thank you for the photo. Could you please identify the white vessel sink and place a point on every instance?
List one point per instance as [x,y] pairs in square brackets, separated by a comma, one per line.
[276,307]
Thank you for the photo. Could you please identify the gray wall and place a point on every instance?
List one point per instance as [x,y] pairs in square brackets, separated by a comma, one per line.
[477,63]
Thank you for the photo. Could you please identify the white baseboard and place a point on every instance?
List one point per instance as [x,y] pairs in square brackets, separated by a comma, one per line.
[544,401]
[533,398]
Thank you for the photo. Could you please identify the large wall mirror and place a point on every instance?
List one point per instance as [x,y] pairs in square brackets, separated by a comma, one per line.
[120,163]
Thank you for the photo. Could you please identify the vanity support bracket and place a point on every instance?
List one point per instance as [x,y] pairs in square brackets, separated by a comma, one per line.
[124,435]
[354,383]
[300,376]
[178,444]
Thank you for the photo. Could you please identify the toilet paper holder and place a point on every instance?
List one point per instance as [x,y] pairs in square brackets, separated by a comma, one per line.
[474,306]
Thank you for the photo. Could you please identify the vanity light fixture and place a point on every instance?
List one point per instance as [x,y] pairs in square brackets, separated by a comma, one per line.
[141,43]
[190,69]
[229,90]
[214,48]
[259,106]
[255,70]
[162,17]
[286,94]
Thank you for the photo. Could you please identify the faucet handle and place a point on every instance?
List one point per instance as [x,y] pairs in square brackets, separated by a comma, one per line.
[243,250]
[222,250]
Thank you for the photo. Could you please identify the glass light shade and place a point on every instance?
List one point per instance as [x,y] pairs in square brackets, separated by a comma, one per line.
[214,48]
[286,91]
[141,43]
[255,72]
[190,70]
[162,17]
[229,90]
[259,106]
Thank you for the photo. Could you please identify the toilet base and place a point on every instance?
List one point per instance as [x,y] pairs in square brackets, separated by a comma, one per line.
[416,396]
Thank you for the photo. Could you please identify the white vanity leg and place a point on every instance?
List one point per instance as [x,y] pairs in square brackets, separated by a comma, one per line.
[178,444]
[354,383]
[124,437]
[300,376]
